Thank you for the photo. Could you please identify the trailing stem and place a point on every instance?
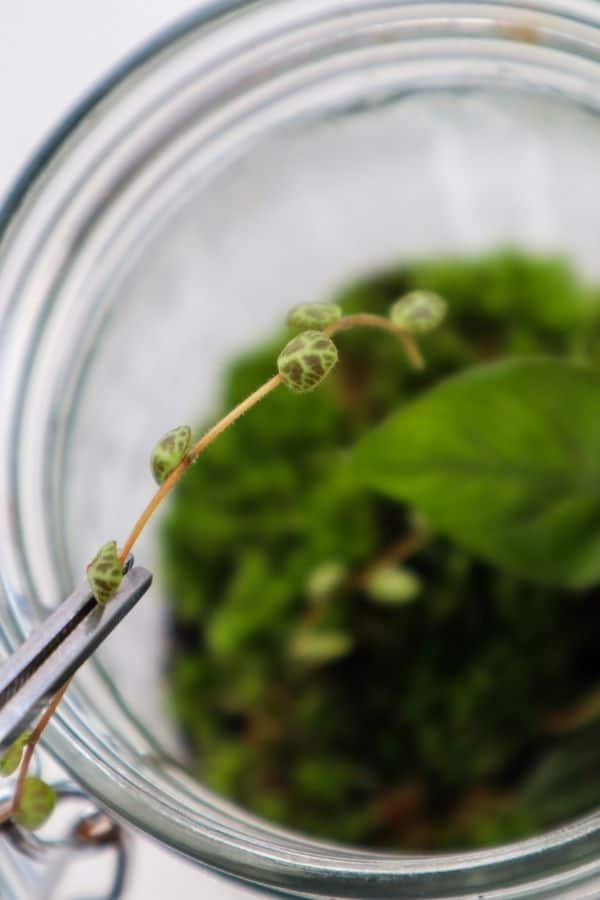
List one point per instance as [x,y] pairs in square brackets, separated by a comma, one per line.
[300,359]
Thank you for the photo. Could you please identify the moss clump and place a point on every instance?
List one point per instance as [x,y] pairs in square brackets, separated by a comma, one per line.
[438,722]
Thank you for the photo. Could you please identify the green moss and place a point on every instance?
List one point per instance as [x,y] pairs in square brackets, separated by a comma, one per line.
[433,723]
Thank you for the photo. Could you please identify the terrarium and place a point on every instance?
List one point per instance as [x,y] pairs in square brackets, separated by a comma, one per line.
[260,157]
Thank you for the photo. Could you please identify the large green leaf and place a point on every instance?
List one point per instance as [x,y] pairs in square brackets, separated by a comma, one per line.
[504,459]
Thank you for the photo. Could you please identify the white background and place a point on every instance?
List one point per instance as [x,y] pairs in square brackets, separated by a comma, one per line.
[51,53]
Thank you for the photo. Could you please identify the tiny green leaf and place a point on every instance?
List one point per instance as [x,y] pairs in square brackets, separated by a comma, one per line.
[169,451]
[393,585]
[314,315]
[418,311]
[306,361]
[9,761]
[325,579]
[37,803]
[105,573]
[505,459]
[316,647]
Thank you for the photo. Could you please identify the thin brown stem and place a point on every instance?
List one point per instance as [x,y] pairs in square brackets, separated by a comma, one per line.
[97,828]
[10,809]
[6,811]
[365,320]
[398,552]
[33,741]
[201,445]
[368,320]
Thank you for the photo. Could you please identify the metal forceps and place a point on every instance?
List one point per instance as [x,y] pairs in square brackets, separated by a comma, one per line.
[55,650]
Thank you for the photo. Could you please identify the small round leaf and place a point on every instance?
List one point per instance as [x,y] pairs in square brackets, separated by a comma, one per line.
[418,311]
[169,452]
[105,573]
[37,803]
[314,315]
[326,578]
[9,761]
[306,361]
[393,585]
[319,647]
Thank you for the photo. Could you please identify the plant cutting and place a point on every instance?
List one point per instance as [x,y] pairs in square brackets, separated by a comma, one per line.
[360,576]
[302,365]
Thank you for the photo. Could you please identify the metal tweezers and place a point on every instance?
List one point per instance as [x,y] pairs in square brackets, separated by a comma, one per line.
[55,650]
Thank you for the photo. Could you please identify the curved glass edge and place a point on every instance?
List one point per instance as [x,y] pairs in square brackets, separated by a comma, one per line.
[40,160]
[50,145]
[584,11]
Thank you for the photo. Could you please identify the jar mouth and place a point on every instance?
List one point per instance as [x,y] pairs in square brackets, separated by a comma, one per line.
[178,112]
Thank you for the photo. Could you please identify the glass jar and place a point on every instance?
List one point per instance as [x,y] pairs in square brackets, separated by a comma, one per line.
[257,156]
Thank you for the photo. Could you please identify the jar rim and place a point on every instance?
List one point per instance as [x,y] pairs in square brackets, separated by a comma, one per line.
[268,855]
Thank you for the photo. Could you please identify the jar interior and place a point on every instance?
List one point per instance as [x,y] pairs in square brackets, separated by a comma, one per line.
[198,256]
[290,222]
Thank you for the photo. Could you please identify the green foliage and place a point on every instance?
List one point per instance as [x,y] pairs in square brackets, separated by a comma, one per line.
[315,646]
[325,579]
[567,779]
[419,311]
[425,730]
[314,315]
[389,584]
[253,601]
[105,573]
[504,459]
[169,451]
[306,360]
[9,761]
[37,803]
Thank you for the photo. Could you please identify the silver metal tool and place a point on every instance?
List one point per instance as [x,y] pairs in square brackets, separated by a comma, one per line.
[56,649]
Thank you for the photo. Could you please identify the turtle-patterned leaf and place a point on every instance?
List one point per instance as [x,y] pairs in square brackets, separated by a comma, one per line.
[419,311]
[314,315]
[105,573]
[307,360]
[169,451]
